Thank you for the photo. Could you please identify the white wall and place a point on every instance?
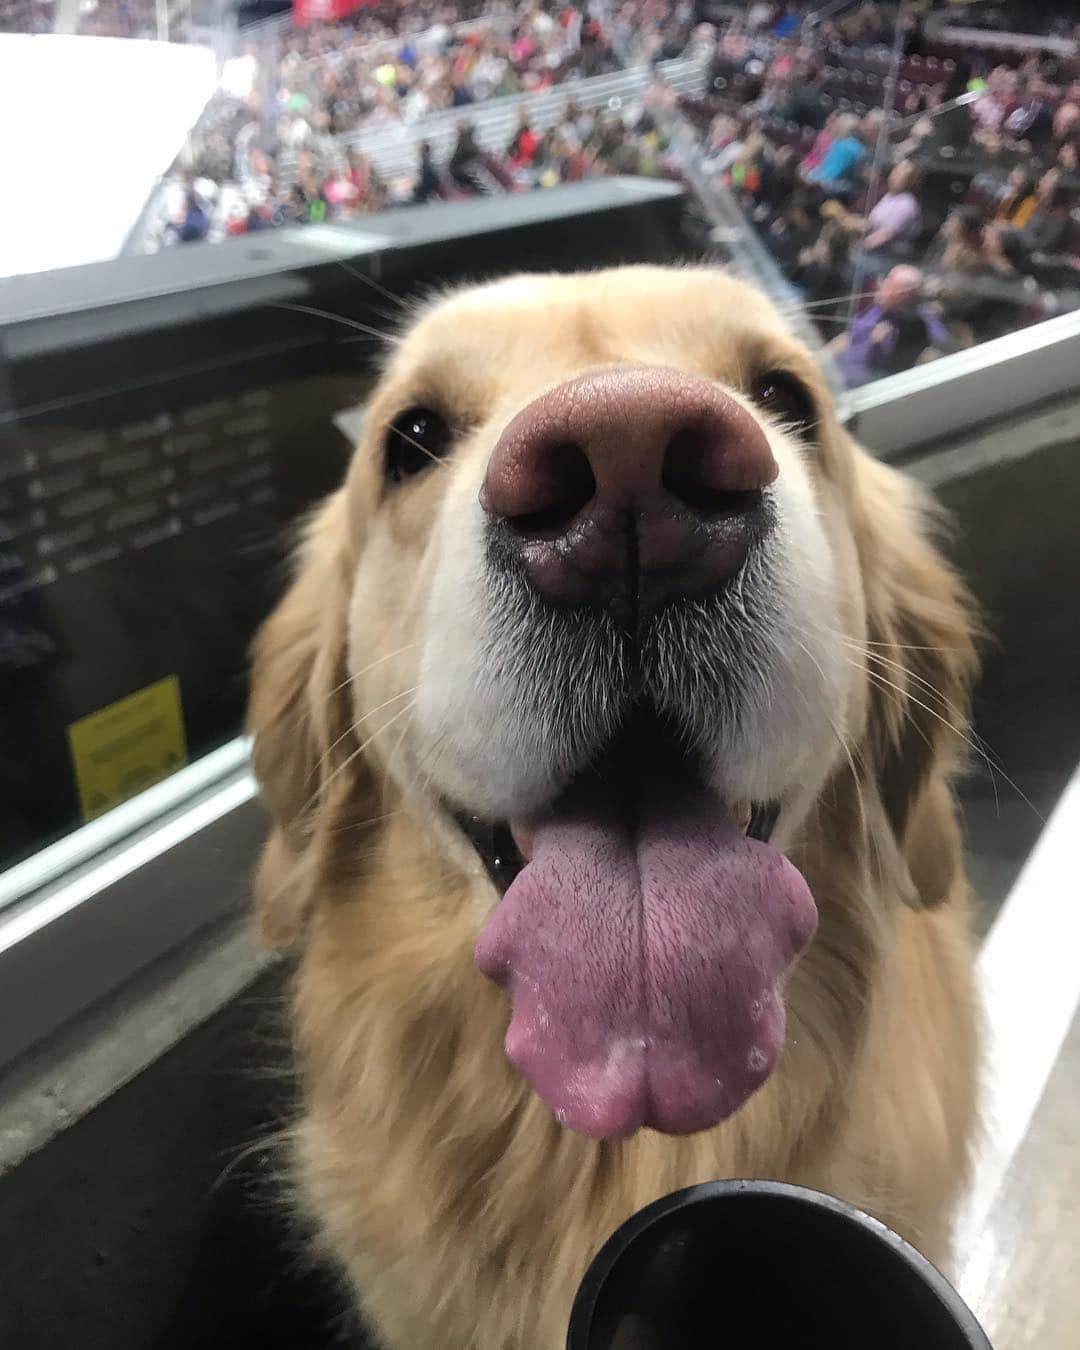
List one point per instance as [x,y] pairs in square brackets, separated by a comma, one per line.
[88,126]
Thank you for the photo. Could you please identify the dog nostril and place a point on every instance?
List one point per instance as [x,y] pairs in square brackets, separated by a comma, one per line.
[563,483]
[690,474]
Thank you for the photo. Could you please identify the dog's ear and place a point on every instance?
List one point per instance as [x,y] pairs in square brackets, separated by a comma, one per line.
[300,717]
[920,662]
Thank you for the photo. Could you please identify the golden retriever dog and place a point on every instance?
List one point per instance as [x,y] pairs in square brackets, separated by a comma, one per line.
[607,731]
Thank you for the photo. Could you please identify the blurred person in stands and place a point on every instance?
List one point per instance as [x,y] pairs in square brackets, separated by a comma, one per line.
[759,15]
[871,126]
[996,155]
[465,163]
[558,152]
[1018,202]
[461,94]
[779,184]
[960,247]
[428,186]
[788,22]
[734,46]
[999,256]
[998,100]
[839,169]
[597,57]
[578,162]
[342,195]
[366,181]
[896,332]
[194,223]
[822,143]
[806,106]
[583,120]
[822,274]
[896,219]
[661,102]
[744,176]
[866,27]
[724,145]
[1048,229]
[1066,124]
[265,215]
[775,92]
[523,144]
[307,200]
[793,90]
[794,230]
[1032,120]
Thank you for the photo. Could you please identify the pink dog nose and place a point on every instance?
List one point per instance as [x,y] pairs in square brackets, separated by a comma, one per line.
[631,480]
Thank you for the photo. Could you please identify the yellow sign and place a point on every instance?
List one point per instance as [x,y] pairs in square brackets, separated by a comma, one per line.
[131,744]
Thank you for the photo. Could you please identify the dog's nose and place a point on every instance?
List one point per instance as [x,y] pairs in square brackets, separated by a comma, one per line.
[629,482]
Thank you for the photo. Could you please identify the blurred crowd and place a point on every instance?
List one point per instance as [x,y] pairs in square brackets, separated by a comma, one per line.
[919,193]
[281,153]
[343,83]
[582,144]
[26,16]
[96,18]
[916,205]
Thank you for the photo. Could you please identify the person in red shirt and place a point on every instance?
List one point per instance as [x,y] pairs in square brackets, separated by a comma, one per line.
[523,146]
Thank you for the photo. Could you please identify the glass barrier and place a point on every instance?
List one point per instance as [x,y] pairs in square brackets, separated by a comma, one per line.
[916,186]
[902,192]
[163,421]
[172,407]
[149,467]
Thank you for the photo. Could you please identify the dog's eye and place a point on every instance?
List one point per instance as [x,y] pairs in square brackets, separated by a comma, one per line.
[783,396]
[417,439]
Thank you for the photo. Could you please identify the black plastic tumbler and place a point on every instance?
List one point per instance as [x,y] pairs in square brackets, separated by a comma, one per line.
[759,1264]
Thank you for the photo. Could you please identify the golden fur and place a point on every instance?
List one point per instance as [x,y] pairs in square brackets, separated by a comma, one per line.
[462,1213]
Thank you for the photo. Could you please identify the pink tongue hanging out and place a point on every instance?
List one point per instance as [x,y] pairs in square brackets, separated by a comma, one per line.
[645,961]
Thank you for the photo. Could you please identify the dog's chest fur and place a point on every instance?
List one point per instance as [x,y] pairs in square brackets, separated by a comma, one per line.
[465,1217]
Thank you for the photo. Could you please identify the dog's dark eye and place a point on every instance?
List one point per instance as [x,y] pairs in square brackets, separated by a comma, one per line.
[417,439]
[786,399]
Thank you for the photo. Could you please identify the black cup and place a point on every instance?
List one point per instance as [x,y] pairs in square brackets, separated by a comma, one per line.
[758,1264]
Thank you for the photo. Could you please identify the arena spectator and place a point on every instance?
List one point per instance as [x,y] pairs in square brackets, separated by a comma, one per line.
[961,245]
[896,332]
[896,218]
[794,233]
[998,101]
[838,169]
[194,223]
[1032,120]
[1048,227]
[466,165]
[1017,202]
[523,144]
[307,201]
[822,273]
[1065,128]
[822,143]
[725,143]
[362,175]
[428,184]
[788,22]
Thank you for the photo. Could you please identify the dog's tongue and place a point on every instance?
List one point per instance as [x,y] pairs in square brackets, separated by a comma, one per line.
[645,961]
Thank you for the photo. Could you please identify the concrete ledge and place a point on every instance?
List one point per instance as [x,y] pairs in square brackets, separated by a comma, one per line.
[63,1080]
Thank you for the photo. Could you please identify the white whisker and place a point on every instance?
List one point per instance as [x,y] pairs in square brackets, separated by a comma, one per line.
[337,318]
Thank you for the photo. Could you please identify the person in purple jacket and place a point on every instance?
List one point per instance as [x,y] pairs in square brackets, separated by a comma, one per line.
[894,333]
